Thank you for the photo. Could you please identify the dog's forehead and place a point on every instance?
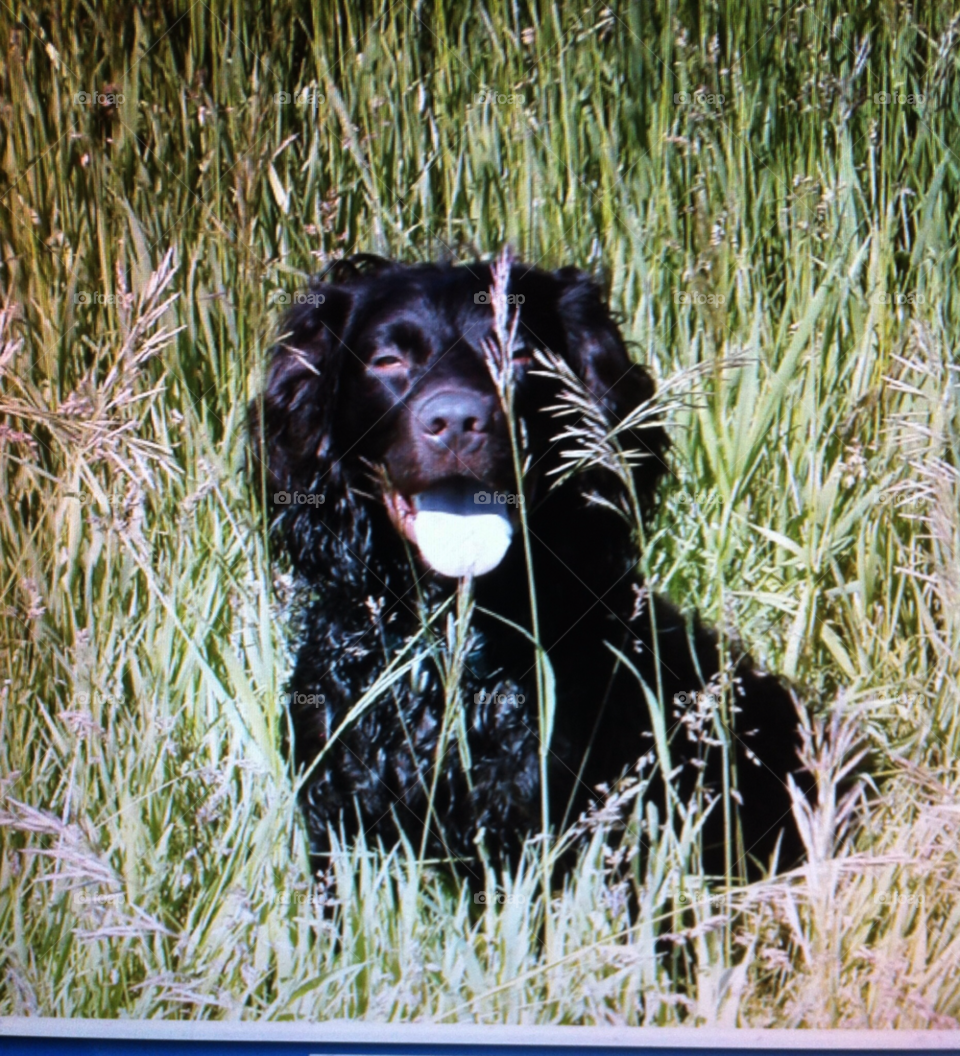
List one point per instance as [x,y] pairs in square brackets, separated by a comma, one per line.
[430,315]
[452,307]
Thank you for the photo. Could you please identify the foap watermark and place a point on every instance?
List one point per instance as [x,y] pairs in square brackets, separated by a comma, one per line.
[96,297]
[98,98]
[306,97]
[510,699]
[500,98]
[301,898]
[906,699]
[696,698]
[497,498]
[698,98]
[899,298]
[898,898]
[299,498]
[84,700]
[489,898]
[903,502]
[692,297]
[512,298]
[300,297]
[83,898]
[109,498]
[700,897]
[902,98]
[303,700]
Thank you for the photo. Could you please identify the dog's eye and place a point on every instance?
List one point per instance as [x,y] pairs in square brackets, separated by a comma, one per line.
[387,361]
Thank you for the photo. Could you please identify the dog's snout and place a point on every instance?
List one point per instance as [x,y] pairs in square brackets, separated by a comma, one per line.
[456,418]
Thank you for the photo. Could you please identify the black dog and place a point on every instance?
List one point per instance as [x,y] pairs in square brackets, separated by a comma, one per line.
[386,451]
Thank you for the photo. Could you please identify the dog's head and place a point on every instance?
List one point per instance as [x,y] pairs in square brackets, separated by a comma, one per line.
[381,392]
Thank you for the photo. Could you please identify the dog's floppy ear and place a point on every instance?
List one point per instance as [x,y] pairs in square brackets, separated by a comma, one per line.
[292,420]
[598,353]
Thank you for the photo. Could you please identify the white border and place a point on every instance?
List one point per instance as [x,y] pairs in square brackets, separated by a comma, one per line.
[354,1032]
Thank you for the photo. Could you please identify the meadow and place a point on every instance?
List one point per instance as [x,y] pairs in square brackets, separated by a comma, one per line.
[770,191]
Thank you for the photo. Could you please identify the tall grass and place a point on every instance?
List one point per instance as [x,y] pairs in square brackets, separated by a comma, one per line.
[801,227]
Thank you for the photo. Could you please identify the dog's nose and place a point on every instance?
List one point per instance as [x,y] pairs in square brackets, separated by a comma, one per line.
[457,419]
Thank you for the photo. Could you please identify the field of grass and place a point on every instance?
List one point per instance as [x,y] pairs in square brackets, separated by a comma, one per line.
[775,184]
